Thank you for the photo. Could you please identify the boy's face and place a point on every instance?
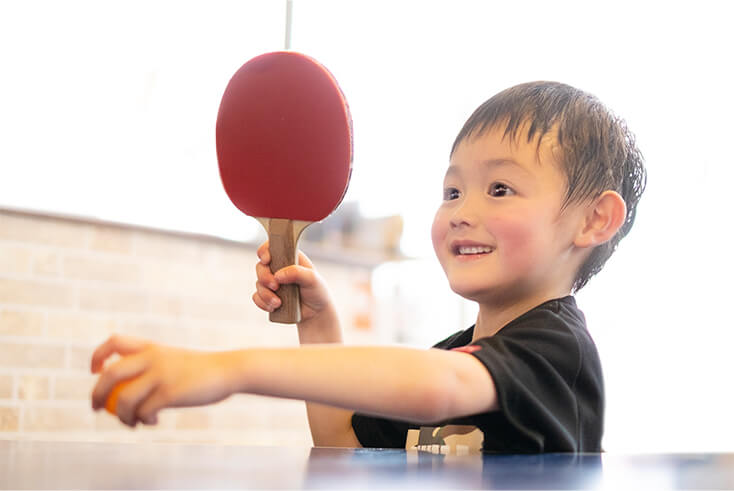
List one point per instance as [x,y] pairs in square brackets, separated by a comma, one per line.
[499,233]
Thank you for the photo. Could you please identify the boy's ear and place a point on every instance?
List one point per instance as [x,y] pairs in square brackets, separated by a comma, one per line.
[603,218]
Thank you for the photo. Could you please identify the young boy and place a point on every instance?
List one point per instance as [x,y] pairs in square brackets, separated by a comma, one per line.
[543,183]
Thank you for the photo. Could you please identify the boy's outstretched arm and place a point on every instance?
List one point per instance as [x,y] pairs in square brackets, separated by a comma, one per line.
[401,383]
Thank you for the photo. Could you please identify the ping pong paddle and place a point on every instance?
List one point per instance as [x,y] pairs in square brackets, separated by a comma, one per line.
[284,146]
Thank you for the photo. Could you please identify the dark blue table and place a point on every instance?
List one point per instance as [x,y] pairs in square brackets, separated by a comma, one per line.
[60,465]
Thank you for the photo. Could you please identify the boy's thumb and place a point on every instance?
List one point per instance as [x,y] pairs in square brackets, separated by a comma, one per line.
[285,276]
[292,274]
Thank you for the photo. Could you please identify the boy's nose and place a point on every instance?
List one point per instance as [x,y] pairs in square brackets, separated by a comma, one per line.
[463,216]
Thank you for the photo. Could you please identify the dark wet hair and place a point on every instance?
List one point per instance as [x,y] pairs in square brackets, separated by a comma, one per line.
[597,151]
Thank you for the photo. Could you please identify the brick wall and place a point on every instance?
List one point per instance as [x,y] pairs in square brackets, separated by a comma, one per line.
[66,284]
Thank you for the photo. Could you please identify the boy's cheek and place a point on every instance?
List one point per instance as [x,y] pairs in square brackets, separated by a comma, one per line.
[438,233]
[515,239]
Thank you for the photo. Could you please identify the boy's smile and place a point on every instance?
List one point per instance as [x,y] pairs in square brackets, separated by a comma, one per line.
[467,250]
[499,233]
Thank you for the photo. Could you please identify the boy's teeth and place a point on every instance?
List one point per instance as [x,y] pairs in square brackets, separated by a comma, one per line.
[474,249]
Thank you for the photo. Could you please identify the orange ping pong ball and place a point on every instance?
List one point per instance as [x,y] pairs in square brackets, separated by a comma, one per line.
[111,404]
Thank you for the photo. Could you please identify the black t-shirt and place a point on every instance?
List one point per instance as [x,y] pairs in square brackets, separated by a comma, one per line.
[549,386]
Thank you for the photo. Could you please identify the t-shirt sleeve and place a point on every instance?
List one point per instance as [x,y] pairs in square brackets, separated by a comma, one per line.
[535,366]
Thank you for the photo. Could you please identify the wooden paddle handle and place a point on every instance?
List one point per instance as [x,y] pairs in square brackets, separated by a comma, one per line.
[283,235]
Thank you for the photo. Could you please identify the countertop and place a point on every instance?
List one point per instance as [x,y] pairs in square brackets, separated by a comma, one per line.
[86,465]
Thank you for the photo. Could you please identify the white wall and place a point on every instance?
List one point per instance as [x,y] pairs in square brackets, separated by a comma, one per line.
[108,108]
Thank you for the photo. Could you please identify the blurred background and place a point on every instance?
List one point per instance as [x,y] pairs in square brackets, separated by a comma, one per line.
[113,217]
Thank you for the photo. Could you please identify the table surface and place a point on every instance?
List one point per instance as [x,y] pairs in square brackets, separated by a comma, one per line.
[82,465]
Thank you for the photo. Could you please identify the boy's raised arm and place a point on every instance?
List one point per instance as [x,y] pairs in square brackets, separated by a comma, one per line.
[330,426]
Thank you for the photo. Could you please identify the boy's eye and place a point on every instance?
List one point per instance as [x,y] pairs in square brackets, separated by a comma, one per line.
[497,189]
[450,194]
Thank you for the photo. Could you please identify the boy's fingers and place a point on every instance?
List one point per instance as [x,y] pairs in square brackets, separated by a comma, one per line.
[122,345]
[132,396]
[266,299]
[263,252]
[259,302]
[265,277]
[129,367]
[148,411]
